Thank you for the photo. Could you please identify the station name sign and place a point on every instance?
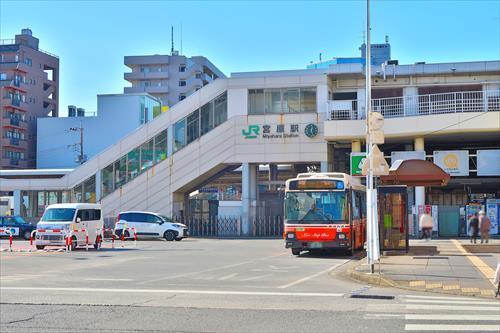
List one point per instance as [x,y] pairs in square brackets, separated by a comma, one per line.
[278,131]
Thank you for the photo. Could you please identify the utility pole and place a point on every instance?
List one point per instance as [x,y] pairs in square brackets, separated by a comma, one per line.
[373,251]
[81,157]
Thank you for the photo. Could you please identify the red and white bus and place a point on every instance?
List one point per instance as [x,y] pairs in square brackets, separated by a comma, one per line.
[324,211]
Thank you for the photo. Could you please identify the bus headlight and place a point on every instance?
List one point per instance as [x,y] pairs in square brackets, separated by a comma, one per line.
[290,235]
[341,236]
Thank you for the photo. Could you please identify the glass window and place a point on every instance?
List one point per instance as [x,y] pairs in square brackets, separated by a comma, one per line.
[133,162]
[153,219]
[273,100]
[207,118]
[291,100]
[160,147]
[120,170]
[179,134]
[193,126]
[107,180]
[59,214]
[182,68]
[147,155]
[316,207]
[256,104]
[220,110]
[308,99]
[77,193]
[89,190]
[182,83]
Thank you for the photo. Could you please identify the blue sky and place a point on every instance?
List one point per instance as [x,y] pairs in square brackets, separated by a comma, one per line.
[91,37]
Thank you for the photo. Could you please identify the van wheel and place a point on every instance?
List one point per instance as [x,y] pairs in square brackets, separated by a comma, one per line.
[27,235]
[97,243]
[40,247]
[296,252]
[169,235]
[178,239]
[74,243]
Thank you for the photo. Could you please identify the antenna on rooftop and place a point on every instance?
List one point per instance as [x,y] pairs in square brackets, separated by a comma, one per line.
[172,40]
[320,57]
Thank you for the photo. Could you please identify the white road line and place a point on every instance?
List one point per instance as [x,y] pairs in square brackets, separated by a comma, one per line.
[228,276]
[256,277]
[107,279]
[304,279]
[174,291]
[444,317]
[454,328]
[440,297]
[450,307]
[452,302]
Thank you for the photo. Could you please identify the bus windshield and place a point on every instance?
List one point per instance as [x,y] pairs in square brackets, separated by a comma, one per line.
[316,207]
[58,214]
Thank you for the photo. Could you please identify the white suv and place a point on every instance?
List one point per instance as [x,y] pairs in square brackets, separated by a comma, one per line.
[149,225]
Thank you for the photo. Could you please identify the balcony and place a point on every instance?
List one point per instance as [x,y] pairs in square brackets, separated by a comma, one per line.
[418,105]
[132,61]
[13,163]
[13,84]
[14,143]
[145,76]
[14,65]
[148,89]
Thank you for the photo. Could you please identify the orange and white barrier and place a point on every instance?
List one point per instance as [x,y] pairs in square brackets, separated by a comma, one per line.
[9,232]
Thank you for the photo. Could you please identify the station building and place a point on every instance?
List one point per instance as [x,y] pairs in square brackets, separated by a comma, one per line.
[229,147]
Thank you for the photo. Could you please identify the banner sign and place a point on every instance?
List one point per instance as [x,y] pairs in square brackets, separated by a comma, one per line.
[279,131]
[488,162]
[357,160]
[13,230]
[453,162]
[493,212]
[407,155]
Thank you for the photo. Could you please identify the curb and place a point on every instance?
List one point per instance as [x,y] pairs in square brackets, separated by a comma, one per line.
[379,280]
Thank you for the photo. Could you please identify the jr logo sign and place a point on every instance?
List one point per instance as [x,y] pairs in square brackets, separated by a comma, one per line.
[252,132]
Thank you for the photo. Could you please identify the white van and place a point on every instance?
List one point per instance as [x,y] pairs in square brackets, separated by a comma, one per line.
[70,219]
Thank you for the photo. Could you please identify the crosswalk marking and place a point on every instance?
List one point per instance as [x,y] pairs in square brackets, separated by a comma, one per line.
[461,317]
[226,277]
[454,302]
[450,307]
[453,328]
[458,314]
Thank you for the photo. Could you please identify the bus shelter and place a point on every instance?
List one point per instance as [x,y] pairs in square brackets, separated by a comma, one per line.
[393,199]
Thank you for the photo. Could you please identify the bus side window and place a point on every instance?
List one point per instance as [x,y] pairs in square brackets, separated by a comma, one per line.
[363,204]
[355,205]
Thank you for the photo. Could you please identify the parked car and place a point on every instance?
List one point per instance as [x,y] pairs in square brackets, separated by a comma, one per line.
[17,226]
[149,225]
[70,219]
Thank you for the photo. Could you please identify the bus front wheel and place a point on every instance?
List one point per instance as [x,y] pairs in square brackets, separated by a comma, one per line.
[296,252]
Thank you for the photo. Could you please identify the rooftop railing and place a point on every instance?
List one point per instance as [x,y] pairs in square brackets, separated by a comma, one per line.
[418,105]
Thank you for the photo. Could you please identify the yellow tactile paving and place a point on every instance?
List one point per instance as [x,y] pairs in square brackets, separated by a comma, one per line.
[470,290]
[451,287]
[487,292]
[417,283]
[486,270]
[433,285]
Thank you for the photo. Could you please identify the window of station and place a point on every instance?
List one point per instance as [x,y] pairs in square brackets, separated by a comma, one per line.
[85,191]
[200,122]
[134,163]
[281,100]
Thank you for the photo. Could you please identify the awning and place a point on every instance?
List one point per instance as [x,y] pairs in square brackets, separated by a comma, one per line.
[415,173]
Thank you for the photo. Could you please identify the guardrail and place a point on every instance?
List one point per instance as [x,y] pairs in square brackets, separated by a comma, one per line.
[417,105]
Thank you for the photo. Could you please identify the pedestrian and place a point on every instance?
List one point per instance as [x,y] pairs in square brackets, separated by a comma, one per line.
[484,226]
[473,228]
[426,226]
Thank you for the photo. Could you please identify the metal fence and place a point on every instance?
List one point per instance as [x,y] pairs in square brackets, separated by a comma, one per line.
[406,106]
[221,227]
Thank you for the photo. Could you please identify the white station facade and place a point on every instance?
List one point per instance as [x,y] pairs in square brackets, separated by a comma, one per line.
[239,138]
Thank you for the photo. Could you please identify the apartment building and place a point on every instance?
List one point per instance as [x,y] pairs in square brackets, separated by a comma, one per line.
[29,89]
[171,78]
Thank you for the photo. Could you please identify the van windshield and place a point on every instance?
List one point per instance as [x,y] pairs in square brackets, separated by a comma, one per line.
[58,214]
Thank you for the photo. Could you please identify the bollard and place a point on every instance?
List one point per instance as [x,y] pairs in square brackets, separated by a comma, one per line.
[135,237]
[113,240]
[123,237]
[10,241]
[99,242]
[66,242]
[86,240]
[32,235]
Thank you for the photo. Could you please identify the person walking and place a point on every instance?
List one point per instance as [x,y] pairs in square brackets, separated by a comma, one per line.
[426,226]
[473,228]
[484,226]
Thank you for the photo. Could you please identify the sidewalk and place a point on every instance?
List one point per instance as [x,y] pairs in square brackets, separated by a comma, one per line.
[443,266]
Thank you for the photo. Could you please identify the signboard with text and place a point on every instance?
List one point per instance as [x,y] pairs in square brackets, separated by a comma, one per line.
[279,131]
[357,160]
[453,162]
